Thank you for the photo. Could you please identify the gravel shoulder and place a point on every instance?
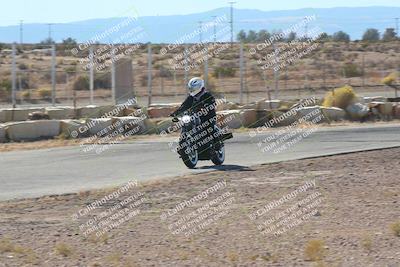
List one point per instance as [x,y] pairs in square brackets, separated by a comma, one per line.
[329,211]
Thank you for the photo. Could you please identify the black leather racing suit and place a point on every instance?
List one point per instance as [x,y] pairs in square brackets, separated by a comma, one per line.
[202,104]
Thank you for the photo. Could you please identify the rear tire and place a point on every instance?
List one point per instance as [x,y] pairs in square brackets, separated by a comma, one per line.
[219,156]
[190,160]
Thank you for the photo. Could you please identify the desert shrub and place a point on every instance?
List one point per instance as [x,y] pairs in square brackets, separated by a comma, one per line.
[224,71]
[23,66]
[351,70]
[211,85]
[340,97]
[26,94]
[390,79]
[395,227]
[81,83]
[63,249]
[165,73]
[102,80]
[366,242]
[5,85]
[314,250]
[143,80]
[70,69]
[44,92]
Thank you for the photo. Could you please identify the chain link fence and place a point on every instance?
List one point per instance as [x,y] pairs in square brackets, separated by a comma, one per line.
[55,75]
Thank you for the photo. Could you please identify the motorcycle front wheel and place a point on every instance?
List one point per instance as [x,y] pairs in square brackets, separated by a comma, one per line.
[191,158]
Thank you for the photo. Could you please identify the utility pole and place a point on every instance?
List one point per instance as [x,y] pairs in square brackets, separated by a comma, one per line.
[21,32]
[397,27]
[50,24]
[231,21]
[306,28]
[215,29]
[200,34]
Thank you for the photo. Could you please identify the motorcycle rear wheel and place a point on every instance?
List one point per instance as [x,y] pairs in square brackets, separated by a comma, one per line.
[218,156]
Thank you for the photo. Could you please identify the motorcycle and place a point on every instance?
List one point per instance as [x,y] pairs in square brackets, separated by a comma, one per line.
[195,143]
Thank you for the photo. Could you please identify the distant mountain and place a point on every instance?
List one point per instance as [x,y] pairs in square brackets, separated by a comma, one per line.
[168,29]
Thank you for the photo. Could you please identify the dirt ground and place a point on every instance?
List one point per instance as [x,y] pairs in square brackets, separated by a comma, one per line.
[332,211]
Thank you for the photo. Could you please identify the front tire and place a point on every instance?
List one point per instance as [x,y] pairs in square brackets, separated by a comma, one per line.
[191,159]
[218,156]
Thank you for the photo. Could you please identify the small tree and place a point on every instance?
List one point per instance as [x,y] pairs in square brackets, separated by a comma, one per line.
[341,36]
[325,37]
[351,70]
[47,41]
[389,35]
[241,36]
[371,35]
[263,35]
[81,83]
[69,41]
[252,36]
[292,36]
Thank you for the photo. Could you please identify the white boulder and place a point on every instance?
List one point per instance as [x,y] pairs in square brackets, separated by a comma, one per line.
[33,130]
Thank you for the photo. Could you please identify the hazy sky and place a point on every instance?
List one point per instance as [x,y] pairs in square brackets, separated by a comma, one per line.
[58,11]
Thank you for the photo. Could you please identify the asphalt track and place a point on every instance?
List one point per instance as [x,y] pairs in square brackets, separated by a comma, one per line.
[34,173]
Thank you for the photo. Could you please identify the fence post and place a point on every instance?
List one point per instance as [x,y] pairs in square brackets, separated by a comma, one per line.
[14,76]
[241,63]
[363,71]
[276,72]
[53,74]
[91,74]
[206,67]
[149,74]
[324,74]
[175,87]
[186,65]
[114,101]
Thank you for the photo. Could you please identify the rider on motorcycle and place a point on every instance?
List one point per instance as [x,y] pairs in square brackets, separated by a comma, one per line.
[200,102]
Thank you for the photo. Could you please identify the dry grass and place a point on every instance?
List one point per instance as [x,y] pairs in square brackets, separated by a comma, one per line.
[6,245]
[114,259]
[232,256]
[63,249]
[390,79]
[366,242]
[37,145]
[314,250]
[395,227]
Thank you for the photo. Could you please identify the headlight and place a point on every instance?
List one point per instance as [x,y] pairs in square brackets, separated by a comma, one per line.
[186,119]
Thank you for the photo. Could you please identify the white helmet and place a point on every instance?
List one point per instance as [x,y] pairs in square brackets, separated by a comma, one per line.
[195,85]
